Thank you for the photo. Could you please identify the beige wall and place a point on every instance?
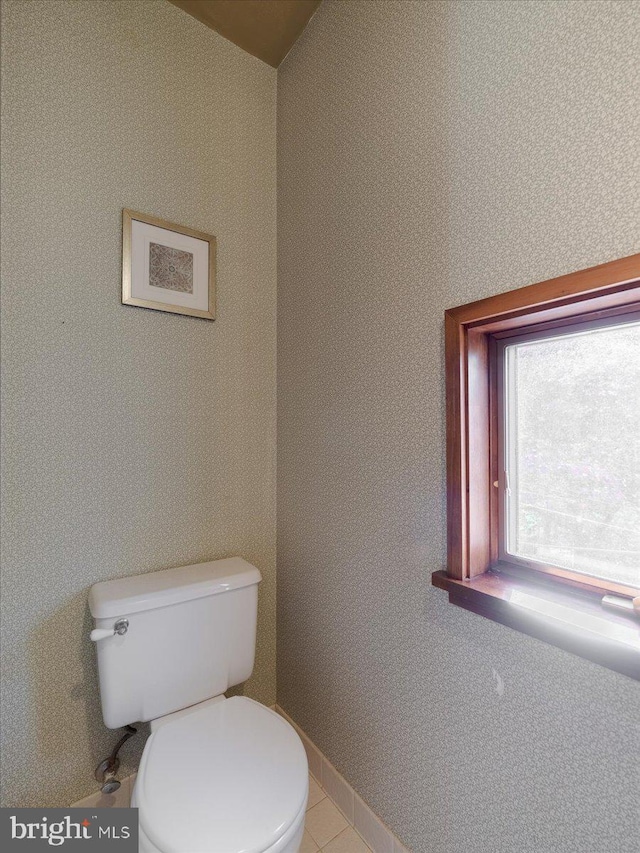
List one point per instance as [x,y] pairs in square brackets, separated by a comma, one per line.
[430,154]
[134,440]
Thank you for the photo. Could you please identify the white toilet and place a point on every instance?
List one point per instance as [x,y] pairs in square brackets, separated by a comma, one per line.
[217,775]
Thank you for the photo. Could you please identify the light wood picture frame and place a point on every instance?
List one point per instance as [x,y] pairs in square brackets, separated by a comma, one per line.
[167,267]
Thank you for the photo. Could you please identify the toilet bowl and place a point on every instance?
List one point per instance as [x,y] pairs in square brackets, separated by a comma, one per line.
[217,775]
[230,777]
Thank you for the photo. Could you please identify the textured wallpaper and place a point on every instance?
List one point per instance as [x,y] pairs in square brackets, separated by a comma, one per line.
[429,154]
[133,440]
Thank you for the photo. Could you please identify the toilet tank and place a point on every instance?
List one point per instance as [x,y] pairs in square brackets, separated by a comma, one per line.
[191,635]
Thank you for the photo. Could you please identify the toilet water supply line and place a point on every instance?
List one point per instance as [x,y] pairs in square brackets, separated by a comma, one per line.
[107,769]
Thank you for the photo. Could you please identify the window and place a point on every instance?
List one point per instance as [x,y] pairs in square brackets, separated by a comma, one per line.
[543,460]
[569,433]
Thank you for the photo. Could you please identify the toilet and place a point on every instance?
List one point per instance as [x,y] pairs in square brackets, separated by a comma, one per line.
[217,775]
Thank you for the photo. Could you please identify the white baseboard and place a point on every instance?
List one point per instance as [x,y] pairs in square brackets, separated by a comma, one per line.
[375,833]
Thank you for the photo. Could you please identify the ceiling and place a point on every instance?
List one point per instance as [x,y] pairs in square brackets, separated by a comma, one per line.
[264,28]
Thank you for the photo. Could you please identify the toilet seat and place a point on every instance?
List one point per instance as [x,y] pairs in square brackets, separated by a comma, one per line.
[227,778]
[288,843]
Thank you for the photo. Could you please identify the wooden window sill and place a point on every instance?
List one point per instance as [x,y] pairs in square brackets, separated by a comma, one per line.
[576,623]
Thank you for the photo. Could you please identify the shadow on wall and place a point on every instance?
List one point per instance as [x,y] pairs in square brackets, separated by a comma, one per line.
[62,663]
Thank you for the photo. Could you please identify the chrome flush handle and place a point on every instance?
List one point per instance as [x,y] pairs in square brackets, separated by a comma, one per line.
[120,627]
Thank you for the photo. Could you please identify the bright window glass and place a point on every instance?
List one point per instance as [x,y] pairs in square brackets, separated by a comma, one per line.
[572,451]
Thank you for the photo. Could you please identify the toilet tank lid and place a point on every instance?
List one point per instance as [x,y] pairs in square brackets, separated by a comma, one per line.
[122,596]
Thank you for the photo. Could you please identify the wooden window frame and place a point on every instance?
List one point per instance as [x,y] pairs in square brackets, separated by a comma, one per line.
[476,578]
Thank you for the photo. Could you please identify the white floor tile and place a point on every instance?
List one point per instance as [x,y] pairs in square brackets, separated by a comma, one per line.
[315,793]
[347,842]
[308,844]
[324,821]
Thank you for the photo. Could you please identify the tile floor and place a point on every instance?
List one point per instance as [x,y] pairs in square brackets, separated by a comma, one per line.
[326,828]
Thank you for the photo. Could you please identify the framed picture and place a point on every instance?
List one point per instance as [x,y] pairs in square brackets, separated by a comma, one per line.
[167,267]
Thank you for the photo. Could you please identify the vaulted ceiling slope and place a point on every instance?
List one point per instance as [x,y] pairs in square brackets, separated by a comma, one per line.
[264,28]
